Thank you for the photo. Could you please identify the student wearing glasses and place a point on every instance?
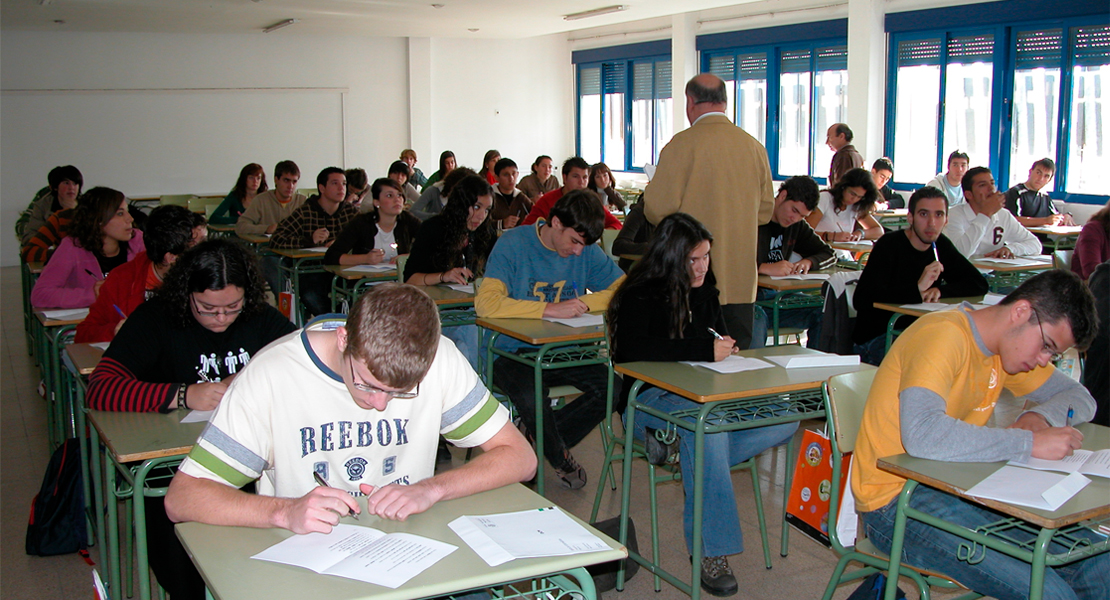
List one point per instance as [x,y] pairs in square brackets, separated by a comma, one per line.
[844,206]
[361,402]
[179,350]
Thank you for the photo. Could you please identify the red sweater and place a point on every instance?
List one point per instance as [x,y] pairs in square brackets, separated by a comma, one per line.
[125,287]
[548,200]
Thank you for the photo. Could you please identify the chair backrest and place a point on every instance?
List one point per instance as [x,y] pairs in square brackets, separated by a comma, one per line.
[607,237]
[1061,259]
[401,260]
[847,396]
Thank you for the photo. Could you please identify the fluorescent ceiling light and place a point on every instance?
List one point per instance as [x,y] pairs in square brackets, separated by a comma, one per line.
[279,25]
[595,12]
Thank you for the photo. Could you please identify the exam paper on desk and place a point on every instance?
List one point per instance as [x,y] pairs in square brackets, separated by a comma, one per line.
[731,364]
[1025,487]
[526,534]
[462,287]
[586,320]
[65,314]
[360,553]
[197,416]
[380,268]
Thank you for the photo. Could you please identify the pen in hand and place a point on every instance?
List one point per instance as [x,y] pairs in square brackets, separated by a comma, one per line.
[320,482]
[715,334]
[936,255]
[119,311]
[1071,414]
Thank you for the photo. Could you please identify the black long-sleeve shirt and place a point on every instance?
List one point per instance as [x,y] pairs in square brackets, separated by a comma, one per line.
[776,243]
[891,276]
[358,236]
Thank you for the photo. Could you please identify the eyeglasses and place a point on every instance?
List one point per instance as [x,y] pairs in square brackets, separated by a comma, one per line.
[227,312]
[1047,348]
[369,389]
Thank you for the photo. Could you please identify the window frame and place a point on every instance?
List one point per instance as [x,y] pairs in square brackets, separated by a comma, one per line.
[1004,70]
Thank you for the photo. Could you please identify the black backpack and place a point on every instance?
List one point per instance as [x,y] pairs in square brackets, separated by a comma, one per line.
[57,523]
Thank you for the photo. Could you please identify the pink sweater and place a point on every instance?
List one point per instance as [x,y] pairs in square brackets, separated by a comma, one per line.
[67,280]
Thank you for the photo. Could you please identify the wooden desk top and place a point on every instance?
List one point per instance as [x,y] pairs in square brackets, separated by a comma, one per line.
[49,322]
[918,312]
[795,285]
[1001,268]
[955,478]
[297,253]
[85,357]
[538,332]
[347,273]
[860,246]
[221,228]
[441,294]
[133,437]
[35,267]
[702,385]
[1056,230]
[893,212]
[222,555]
[255,238]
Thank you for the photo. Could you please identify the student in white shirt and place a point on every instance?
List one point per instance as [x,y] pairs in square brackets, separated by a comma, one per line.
[981,227]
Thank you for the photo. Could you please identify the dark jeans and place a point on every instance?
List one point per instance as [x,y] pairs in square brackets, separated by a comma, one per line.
[316,293]
[171,564]
[564,428]
[872,352]
[271,273]
[739,319]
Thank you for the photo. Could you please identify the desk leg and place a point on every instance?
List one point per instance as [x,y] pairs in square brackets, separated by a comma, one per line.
[538,382]
[699,500]
[626,475]
[1037,567]
[899,540]
[115,579]
[788,481]
[98,505]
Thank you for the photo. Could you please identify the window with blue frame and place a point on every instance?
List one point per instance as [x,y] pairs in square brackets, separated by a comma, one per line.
[1008,95]
[785,95]
[624,111]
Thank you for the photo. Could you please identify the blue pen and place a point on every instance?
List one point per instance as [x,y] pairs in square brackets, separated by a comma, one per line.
[1071,413]
[116,306]
[574,288]
[935,254]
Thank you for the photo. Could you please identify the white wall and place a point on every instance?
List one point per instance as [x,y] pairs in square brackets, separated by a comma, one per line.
[513,95]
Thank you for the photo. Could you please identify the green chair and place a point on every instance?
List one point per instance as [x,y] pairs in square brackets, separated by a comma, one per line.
[845,397]
[401,260]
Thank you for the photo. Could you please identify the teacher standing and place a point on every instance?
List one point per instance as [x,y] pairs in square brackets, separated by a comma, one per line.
[719,174]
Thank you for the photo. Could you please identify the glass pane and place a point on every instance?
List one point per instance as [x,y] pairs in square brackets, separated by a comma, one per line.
[967,98]
[794,112]
[641,133]
[589,127]
[915,123]
[664,129]
[831,99]
[752,117]
[614,132]
[1087,152]
[1035,114]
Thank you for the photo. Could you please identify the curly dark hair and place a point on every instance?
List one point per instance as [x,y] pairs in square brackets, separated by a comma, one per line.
[460,246]
[212,265]
[94,209]
[856,178]
[665,266]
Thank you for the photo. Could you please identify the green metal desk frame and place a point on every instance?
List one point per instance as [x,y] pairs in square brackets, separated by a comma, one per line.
[291,271]
[787,300]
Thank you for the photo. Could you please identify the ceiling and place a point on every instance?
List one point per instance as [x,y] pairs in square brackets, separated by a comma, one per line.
[391,18]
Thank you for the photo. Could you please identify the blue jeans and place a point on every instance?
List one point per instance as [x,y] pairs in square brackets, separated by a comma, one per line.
[872,352]
[802,318]
[466,340]
[721,533]
[997,575]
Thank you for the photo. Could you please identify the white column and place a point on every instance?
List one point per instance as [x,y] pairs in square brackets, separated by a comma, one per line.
[684,63]
[866,76]
[420,99]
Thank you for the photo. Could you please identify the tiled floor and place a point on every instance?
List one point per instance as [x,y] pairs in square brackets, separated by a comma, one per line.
[23,458]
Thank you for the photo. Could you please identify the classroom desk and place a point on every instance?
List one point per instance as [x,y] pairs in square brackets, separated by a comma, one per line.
[51,335]
[258,242]
[216,231]
[894,218]
[558,347]
[860,250]
[222,555]
[1057,237]
[901,310]
[348,285]
[140,451]
[1007,276]
[29,274]
[729,402]
[792,293]
[1090,504]
[296,262]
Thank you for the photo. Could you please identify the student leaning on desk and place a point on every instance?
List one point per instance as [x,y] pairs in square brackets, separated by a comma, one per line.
[932,398]
[384,385]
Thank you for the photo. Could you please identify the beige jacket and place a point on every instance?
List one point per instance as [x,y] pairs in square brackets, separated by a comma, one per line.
[264,211]
[719,174]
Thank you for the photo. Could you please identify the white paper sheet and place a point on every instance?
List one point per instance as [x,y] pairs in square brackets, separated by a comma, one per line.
[360,553]
[462,287]
[992,298]
[807,276]
[380,268]
[525,534]
[197,416]
[732,364]
[66,314]
[802,361]
[1025,487]
[1082,461]
[579,321]
[320,249]
[100,345]
[1016,262]
[929,306]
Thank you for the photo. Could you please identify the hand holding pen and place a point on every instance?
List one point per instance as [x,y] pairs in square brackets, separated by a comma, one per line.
[723,346]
